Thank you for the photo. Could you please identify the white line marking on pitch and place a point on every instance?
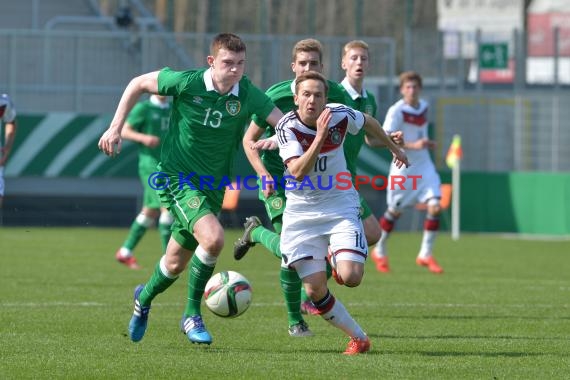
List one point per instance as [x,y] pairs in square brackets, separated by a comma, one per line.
[278,304]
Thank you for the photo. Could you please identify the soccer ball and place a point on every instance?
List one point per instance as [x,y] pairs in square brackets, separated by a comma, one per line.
[228,294]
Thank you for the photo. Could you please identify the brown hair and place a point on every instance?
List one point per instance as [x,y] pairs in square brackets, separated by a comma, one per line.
[308,45]
[307,75]
[227,41]
[408,76]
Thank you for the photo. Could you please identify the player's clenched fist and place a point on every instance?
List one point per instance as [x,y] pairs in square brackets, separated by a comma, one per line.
[110,139]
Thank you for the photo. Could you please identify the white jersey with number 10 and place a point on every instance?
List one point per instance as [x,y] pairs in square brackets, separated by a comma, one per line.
[320,191]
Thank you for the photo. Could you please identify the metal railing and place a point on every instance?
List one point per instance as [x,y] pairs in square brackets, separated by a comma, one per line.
[512,125]
[59,70]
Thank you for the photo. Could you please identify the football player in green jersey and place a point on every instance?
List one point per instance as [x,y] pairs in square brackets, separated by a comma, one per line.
[210,108]
[355,62]
[146,125]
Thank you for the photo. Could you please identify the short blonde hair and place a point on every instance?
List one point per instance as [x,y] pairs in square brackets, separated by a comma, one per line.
[354,44]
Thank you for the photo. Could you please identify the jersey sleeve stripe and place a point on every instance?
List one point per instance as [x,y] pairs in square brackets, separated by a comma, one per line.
[342,108]
[281,136]
[279,128]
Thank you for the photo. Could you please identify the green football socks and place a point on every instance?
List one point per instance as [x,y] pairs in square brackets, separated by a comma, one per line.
[268,239]
[291,287]
[199,274]
[157,284]
[277,225]
[304,296]
[136,233]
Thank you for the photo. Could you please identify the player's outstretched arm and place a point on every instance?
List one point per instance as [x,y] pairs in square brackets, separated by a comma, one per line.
[274,117]
[271,142]
[251,137]
[372,127]
[110,142]
[420,144]
[397,137]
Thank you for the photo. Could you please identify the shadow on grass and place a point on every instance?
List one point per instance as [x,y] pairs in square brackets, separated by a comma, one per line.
[283,351]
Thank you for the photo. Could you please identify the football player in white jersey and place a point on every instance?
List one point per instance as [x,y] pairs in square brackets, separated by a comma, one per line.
[409,115]
[8,117]
[322,208]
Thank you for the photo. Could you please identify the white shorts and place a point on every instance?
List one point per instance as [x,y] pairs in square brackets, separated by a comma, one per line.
[428,186]
[1,181]
[309,238]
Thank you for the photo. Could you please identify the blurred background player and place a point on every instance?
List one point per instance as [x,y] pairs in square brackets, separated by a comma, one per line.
[8,118]
[310,144]
[355,62]
[147,125]
[210,107]
[409,115]
[307,55]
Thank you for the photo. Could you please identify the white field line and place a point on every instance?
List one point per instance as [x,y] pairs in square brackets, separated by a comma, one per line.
[52,304]
[279,304]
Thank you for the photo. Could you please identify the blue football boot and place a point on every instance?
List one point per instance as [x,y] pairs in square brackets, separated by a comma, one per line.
[195,329]
[139,320]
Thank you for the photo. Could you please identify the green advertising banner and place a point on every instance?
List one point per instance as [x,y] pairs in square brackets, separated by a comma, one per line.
[63,144]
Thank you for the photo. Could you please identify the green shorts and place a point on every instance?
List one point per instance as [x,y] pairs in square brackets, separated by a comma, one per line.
[365,210]
[275,204]
[187,206]
[150,196]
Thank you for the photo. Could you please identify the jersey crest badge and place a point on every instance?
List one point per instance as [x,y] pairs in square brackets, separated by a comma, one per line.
[368,109]
[193,202]
[277,203]
[233,107]
[336,136]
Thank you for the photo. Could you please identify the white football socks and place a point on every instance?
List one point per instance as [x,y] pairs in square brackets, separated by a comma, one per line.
[427,244]
[339,317]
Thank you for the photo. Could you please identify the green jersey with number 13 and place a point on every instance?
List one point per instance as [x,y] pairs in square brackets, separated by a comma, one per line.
[206,127]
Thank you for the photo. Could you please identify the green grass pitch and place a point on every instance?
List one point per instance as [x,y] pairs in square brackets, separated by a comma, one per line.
[501,310]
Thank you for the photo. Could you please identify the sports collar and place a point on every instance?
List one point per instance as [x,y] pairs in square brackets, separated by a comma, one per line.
[351,91]
[210,83]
